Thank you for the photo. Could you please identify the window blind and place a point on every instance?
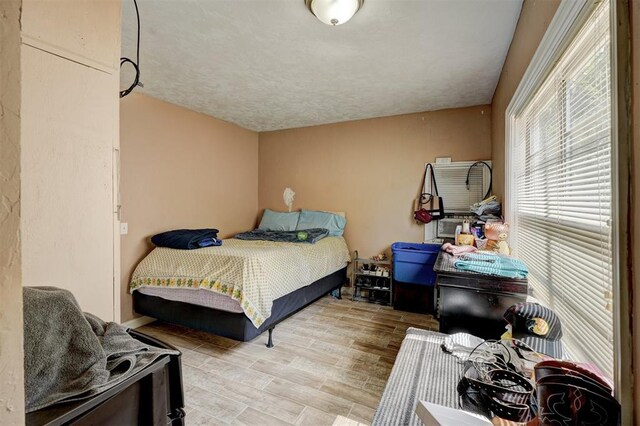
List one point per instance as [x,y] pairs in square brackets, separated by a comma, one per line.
[451,179]
[561,179]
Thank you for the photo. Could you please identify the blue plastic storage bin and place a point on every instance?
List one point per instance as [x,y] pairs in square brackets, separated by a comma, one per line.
[413,263]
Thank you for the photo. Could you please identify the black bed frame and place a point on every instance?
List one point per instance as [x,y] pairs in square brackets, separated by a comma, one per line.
[236,325]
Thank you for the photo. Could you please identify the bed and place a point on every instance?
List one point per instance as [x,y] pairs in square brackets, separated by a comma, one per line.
[240,289]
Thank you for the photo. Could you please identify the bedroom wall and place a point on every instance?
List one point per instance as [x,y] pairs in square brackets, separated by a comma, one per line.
[70,75]
[181,169]
[370,169]
[535,17]
[11,353]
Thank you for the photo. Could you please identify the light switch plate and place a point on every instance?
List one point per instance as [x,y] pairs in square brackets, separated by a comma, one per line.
[124,228]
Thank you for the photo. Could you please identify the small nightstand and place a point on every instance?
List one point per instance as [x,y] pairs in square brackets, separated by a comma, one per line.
[372,286]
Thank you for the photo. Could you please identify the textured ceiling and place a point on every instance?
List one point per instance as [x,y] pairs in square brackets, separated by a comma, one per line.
[270,64]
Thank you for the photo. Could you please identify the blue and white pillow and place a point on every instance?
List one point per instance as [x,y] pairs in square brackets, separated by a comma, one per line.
[310,219]
[278,221]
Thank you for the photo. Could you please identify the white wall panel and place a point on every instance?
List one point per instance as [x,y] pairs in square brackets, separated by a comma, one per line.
[85,31]
[69,129]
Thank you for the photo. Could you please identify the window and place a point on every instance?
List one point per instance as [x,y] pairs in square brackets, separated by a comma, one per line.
[560,191]
[451,178]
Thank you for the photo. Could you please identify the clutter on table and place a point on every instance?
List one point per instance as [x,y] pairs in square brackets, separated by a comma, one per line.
[488,209]
[509,379]
[482,227]
[458,250]
[482,243]
[465,237]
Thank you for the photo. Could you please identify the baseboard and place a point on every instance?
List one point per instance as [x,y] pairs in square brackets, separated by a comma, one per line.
[138,322]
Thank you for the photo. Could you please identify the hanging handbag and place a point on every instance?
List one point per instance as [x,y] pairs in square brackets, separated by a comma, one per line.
[427,206]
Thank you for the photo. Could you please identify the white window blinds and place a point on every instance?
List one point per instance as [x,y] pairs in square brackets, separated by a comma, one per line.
[561,180]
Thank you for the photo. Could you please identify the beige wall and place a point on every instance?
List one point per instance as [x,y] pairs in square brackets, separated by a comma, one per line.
[370,169]
[69,132]
[534,20]
[11,354]
[92,35]
[181,169]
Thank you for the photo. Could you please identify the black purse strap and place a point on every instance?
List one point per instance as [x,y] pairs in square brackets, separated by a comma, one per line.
[502,399]
[433,179]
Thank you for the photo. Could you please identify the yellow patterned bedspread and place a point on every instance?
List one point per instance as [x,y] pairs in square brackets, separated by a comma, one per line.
[254,273]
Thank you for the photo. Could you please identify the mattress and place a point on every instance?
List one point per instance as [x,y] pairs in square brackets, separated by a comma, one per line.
[198,296]
[252,273]
[235,325]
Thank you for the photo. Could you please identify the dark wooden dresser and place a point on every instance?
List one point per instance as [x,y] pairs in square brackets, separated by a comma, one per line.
[152,396]
[474,303]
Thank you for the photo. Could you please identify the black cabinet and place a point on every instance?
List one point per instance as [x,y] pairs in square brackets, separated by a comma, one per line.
[474,303]
[410,297]
[152,396]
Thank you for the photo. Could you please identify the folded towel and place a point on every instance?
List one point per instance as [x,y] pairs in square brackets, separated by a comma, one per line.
[458,250]
[69,355]
[187,239]
[498,265]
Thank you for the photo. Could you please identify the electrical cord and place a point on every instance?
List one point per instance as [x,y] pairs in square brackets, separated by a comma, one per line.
[136,64]
[490,176]
[502,361]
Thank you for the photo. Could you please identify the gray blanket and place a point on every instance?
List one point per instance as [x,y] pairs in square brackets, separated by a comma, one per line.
[69,355]
[306,236]
[422,371]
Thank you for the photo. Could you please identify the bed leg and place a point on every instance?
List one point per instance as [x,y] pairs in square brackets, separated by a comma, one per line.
[339,293]
[270,342]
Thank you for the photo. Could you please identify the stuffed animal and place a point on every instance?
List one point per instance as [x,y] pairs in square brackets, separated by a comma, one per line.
[503,245]
[498,233]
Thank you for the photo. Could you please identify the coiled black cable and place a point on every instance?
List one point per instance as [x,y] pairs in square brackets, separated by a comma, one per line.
[136,64]
[490,176]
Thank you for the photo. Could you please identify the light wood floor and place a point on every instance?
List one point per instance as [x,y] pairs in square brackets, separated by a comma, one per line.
[331,359]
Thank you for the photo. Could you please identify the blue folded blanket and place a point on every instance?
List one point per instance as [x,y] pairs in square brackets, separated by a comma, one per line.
[307,236]
[492,264]
[187,239]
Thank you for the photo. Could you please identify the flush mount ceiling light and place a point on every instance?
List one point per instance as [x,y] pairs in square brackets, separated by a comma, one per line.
[334,12]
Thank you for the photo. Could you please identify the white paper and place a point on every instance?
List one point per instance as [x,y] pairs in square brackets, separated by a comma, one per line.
[439,415]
